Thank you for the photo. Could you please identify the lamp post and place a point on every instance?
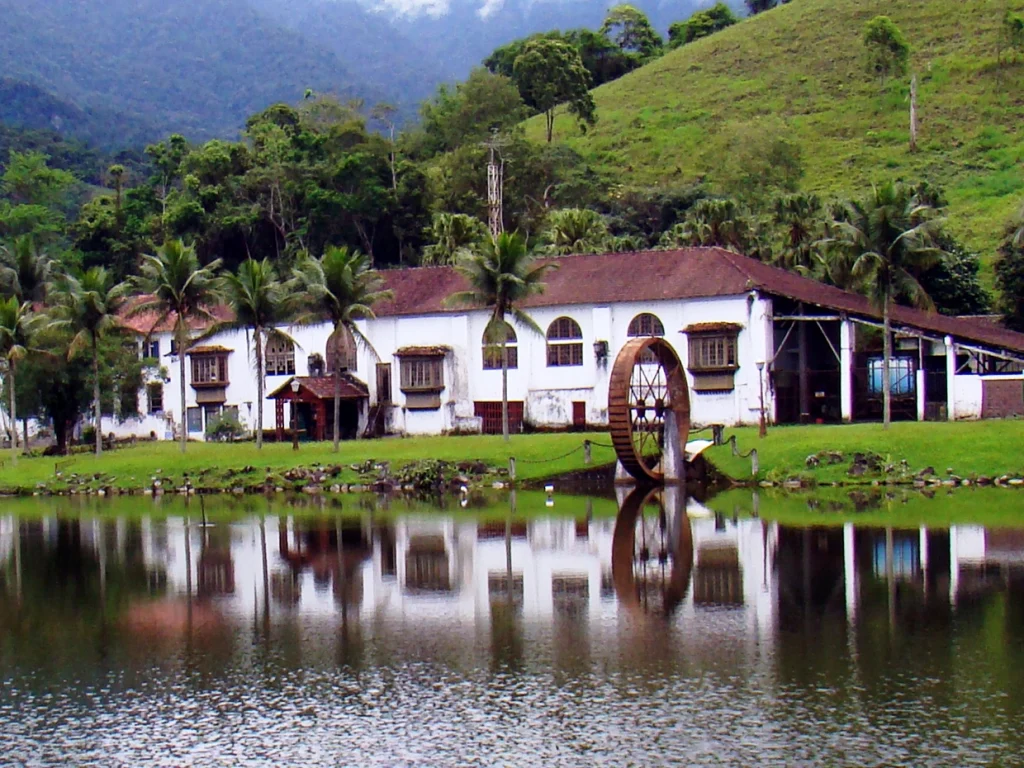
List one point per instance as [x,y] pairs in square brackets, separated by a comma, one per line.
[295,421]
[762,426]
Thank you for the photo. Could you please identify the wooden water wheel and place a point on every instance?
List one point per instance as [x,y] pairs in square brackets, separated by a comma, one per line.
[647,382]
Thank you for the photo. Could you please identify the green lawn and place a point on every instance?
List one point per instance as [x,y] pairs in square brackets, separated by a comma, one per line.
[798,70]
[222,465]
[968,447]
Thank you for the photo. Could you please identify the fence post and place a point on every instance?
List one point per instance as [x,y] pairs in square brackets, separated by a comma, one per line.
[511,467]
[755,465]
[586,452]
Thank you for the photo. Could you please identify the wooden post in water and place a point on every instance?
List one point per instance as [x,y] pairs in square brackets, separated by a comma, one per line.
[586,452]
[511,467]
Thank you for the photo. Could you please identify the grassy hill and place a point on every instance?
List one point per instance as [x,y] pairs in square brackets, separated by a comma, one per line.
[800,69]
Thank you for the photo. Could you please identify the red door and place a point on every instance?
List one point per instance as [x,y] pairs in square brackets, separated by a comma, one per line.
[579,415]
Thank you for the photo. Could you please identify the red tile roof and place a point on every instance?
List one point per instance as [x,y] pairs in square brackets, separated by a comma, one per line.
[322,387]
[149,322]
[687,273]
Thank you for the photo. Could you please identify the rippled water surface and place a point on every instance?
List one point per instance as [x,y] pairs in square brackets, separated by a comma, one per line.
[590,632]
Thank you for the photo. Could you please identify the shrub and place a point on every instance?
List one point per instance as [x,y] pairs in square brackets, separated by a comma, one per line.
[701,24]
[225,428]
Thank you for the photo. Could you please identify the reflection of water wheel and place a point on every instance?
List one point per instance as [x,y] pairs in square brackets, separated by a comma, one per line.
[647,382]
[647,552]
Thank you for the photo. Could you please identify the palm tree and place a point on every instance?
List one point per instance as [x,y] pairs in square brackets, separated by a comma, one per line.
[721,223]
[339,286]
[16,325]
[88,307]
[500,276]
[576,230]
[889,237]
[176,287]
[258,299]
[800,218]
[452,234]
[25,270]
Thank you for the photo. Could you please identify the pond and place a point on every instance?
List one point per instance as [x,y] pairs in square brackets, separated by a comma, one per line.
[531,630]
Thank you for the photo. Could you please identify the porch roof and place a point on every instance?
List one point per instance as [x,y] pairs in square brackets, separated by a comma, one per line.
[322,388]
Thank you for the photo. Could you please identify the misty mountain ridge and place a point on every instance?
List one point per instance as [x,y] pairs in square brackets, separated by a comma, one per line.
[121,72]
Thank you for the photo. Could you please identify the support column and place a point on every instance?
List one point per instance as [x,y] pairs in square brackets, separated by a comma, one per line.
[804,379]
[846,342]
[950,379]
[920,394]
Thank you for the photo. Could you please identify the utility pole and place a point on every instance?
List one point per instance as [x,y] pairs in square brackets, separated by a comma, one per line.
[495,184]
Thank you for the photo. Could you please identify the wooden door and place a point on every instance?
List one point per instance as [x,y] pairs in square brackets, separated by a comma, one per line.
[579,415]
[384,383]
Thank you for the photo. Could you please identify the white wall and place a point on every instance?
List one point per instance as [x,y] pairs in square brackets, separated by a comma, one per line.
[548,392]
[968,396]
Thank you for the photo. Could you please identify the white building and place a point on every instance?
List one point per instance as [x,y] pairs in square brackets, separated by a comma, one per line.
[429,371]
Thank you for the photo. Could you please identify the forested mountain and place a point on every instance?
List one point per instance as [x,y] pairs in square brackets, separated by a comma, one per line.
[121,72]
[197,67]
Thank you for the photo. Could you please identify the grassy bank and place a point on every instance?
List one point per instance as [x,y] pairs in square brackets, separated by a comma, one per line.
[988,448]
[215,465]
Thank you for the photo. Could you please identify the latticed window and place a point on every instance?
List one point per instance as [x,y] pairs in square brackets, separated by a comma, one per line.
[712,352]
[565,343]
[645,324]
[155,397]
[209,369]
[422,374]
[280,357]
[341,348]
[492,352]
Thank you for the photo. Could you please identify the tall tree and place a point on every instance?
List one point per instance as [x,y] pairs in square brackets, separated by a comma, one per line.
[175,287]
[629,28]
[1010,275]
[501,275]
[576,230]
[25,270]
[339,286]
[890,237]
[16,323]
[701,24]
[888,51]
[259,302]
[549,73]
[88,308]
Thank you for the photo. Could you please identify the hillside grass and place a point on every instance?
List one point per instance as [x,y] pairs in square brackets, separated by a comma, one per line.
[220,465]
[799,68]
[969,448]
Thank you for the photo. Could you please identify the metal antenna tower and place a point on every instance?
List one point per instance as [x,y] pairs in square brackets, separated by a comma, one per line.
[495,184]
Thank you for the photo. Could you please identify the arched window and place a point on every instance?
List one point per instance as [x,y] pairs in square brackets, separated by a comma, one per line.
[279,359]
[341,348]
[645,324]
[565,343]
[492,351]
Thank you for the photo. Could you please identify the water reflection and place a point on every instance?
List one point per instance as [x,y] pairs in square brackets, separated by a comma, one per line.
[529,638]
